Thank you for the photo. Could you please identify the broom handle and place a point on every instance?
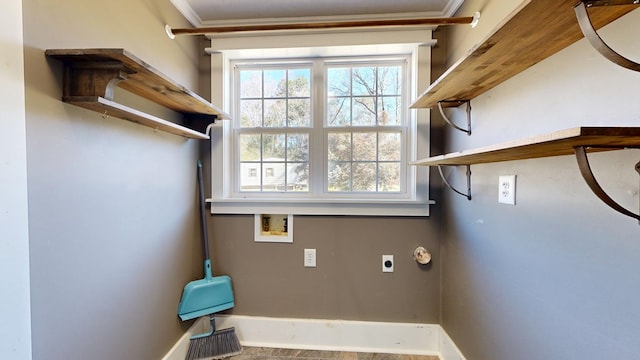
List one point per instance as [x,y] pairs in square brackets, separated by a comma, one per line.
[203,219]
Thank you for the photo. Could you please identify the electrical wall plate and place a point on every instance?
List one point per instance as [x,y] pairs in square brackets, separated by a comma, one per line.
[309,257]
[507,189]
[387,263]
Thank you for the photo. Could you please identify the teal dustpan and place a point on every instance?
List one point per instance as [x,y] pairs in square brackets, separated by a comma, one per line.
[211,294]
[207,296]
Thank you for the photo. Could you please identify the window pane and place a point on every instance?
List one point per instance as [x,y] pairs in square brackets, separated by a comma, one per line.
[339,112]
[389,177]
[273,147]
[298,147]
[364,111]
[250,147]
[339,146]
[388,111]
[250,113]
[389,80]
[273,177]
[364,146]
[339,178]
[389,148]
[364,176]
[250,84]
[248,179]
[364,81]
[275,113]
[299,83]
[299,113]
[274,83]
[275,98]
[338,82]
[298,177]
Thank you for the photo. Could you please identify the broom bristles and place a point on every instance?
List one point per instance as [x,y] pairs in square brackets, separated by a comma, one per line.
[219,345]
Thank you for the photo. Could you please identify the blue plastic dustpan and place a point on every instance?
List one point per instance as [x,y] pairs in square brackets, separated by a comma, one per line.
[207,296]
[211,294]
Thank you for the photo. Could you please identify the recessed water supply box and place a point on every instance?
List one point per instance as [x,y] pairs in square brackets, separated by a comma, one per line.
[274,228]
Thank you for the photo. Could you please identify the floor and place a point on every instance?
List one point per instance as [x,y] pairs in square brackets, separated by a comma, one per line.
[258,353]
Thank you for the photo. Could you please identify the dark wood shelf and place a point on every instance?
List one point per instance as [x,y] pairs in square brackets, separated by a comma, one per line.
[90,76]
[536,30]
[553,144]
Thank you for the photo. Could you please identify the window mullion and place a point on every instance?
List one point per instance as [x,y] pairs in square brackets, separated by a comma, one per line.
[317,160]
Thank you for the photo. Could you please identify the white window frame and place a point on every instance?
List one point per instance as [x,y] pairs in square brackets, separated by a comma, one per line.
[412,203]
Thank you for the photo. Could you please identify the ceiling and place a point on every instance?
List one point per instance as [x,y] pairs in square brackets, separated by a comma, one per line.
[253,12]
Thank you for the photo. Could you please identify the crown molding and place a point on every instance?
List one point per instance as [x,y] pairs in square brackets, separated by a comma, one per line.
[192,16]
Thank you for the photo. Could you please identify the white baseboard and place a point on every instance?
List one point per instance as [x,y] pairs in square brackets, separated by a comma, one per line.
[335,335]
[338,335]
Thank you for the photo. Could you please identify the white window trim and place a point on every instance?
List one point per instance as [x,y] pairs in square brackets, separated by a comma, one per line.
[415,205]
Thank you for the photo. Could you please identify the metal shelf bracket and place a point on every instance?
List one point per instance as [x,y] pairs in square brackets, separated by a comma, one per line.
[587,174]
[446,182]
[592,36]
[455,103]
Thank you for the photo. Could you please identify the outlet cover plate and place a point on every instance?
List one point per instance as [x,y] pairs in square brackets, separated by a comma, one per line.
[309,257]
[507,189]
[387,260]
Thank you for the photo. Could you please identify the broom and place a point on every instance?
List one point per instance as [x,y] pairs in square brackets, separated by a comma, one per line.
[212,344]
[215,344]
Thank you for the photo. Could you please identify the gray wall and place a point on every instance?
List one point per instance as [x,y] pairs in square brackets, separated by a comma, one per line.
[556,276]
[112,205]
[270,280]
[15,331]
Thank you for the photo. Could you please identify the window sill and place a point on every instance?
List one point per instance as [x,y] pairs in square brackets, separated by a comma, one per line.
[321,207]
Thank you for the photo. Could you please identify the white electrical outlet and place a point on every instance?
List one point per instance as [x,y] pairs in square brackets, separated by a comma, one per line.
[507,189]
[309,257]
[387,263]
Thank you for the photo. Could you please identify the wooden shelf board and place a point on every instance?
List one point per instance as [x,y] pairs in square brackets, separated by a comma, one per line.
[113,109]
[141,79]
[536,30]
[552,144]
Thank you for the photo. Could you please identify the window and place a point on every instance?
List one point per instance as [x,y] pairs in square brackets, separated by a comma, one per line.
[273,127]
[364,125]
[354,121]
[322,130]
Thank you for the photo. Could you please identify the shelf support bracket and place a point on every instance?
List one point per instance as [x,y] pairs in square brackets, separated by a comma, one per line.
[446,182]
[595,40]
[587,174]
[452,103]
